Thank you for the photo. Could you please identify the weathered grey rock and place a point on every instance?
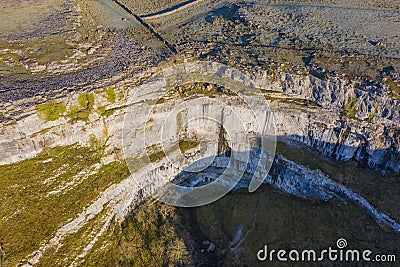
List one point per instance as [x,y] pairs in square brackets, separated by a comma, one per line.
[373,143]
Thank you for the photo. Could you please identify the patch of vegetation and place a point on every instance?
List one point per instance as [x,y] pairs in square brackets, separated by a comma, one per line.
[13,67]
[146,7]
[392,95]
[73,243]
[51,111]
[283,221]
[76,113]
[201,88]
[156,156]
[47,50]
[393,87]
[296,101]
[81,112]
[136,163]
[53,49]
[105,129]
[179,123]
[86,100]
[110,95]
[372,115]
[155,153]
[350,108]
[160,101]
[104,112]
[185,145]
[147,237]
[41,132]
[97,145]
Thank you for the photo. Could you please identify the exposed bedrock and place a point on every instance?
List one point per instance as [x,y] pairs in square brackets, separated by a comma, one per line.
[372,145]
[370,135]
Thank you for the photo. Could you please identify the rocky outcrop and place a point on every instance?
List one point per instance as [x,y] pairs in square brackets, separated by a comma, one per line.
[306,109]
[370,136]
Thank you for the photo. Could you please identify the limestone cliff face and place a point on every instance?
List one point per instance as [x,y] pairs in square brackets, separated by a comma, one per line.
[300,181]
[306,109]
[371,135]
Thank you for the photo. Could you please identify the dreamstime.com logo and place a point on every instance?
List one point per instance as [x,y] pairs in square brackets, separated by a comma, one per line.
[194,131]
[338,254]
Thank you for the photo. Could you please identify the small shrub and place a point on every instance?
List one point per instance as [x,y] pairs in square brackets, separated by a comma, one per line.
[103,111]
[201,88]
[160,101]
[350,109]
[86,101]
[394,87]
[372,115]
[97,146]
[156,156]
[51,111]
[185,145]
[81,112]
[110,94]
[105,129]
[76,114]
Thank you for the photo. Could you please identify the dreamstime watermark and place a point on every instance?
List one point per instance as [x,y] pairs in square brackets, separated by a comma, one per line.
[337,254]
[191,119]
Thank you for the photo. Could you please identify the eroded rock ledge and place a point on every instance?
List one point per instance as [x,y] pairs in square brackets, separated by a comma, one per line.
[333,116]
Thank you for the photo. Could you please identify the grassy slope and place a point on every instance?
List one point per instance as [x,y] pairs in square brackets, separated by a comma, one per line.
[152,233]
[148,237]
[287,222]
[382,191]
[29,215]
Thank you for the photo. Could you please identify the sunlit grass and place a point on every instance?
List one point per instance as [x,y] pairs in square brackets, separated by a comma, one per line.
[51,111]
[29,214]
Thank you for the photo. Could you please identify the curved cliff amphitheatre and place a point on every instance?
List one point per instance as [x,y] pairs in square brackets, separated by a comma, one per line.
[71,70]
